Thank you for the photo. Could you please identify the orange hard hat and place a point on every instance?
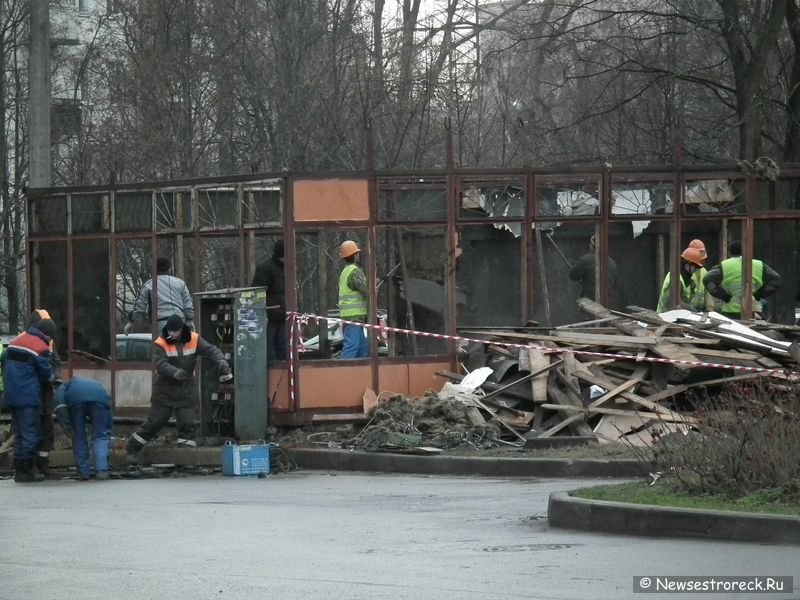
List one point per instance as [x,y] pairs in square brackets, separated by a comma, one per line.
[348,248]
[693,256]
[699,245]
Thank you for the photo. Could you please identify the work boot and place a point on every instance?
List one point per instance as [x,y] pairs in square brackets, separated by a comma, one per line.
[42,465]
[24,472]
[101,475]
[133,450]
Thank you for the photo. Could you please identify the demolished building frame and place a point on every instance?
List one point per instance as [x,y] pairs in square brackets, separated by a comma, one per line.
[486,247]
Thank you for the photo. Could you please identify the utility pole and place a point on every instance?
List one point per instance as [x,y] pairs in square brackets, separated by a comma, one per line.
[39,101]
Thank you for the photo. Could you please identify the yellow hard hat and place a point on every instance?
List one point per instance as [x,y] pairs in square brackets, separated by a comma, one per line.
[348,248]
[693,255]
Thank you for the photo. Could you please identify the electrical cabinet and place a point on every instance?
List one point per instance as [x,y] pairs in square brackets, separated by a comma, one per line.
[234,320]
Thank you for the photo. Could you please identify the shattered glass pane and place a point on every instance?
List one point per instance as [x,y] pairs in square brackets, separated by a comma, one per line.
[133,211]
[482,198]
[632,196]
[714,196]
[577,196]
[90,213]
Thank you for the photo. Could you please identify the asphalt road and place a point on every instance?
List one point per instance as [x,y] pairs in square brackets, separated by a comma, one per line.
[315,535]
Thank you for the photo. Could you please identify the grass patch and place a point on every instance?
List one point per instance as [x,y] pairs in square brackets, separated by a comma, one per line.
[668,494]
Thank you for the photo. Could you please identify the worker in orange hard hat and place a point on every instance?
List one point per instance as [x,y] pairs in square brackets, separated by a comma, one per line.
[700,246]
[693,294]
[353,295]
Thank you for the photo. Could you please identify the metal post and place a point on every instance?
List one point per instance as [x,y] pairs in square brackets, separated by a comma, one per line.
[39,74]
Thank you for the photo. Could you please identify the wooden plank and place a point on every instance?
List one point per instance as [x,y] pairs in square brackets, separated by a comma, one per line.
[630,396]
[602,339]
[592,410]
[494,415]
[579,426]
[664,349]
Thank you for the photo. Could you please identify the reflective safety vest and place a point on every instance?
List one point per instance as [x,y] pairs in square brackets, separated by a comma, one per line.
[732,283]
[171,349]
[351,302]
[690,294]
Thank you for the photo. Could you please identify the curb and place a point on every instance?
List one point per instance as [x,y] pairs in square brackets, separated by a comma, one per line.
[347,460]
[568,512]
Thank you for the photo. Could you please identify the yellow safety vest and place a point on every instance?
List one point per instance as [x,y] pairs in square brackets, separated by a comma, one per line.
[732,282]
[351,302]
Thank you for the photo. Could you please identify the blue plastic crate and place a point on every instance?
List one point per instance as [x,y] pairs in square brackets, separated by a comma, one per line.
[247,460]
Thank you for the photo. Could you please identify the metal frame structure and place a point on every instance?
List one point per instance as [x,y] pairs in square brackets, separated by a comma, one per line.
[531,185]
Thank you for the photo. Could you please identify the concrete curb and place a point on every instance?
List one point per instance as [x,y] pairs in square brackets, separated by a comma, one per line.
[346,460]
[569,512]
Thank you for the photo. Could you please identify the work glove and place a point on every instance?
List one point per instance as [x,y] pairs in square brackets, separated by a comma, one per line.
[225,377]
[758,295]
[128,327]
[225,372]
[180,375]
[190,325]
[726,297]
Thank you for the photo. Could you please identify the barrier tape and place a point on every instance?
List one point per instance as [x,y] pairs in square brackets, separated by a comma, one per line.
[299,319]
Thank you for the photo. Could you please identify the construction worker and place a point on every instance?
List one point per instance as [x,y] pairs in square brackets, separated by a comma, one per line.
[27,370]
[174,387]
[701,247]
[725,282]
[42,463]
[585,269]
[80,400]
[173,299]
[693,294]
[270,274]
[353,301]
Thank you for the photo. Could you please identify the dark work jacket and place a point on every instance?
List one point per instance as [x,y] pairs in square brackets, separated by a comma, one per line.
[171,356]
[584,272]
[27,369]
[270,274]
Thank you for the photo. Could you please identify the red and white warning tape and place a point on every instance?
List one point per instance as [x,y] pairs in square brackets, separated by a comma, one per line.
[299,319]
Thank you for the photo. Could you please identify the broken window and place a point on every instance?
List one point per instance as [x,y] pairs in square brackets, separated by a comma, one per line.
[220,263]
[635,196]
[488,269]
[703,196]
[318,268]
[262,203]
[134,260]
[91,299]
[577,196]
[484,198]
[412,276]
[50,286]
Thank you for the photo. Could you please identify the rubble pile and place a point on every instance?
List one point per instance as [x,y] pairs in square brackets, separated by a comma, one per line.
[630,377]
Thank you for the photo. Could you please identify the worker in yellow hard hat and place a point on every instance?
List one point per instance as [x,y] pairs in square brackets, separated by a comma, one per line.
[353,295]
[693,294]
